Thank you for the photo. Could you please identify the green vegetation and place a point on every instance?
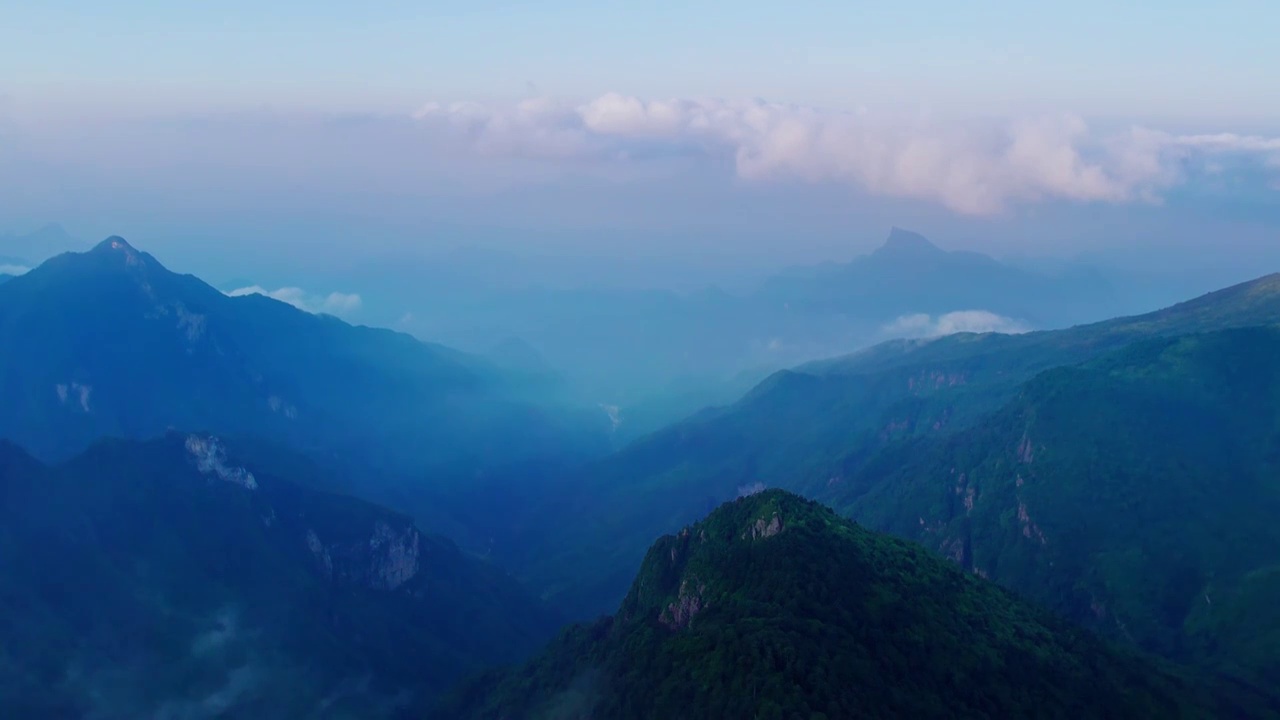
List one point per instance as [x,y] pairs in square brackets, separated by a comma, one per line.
[1135,494]
[1119,476]
[1146,510]
[775,607]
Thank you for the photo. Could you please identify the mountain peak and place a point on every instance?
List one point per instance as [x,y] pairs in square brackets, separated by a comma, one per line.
[115,243]
[906,242]
[772,590]
[118,249]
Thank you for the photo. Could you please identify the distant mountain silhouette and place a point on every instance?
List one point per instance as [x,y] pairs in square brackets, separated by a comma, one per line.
[39,245]
[909,274]
[907,244]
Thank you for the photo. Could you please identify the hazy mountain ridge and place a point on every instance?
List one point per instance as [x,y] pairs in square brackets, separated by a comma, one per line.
[906,287]
[36,246]
[914,436]
[113,344]
[910,275]
[773,606]
[815,430]
[166,579]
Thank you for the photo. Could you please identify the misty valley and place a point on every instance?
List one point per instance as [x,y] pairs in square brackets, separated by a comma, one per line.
[221,504]
[558,360]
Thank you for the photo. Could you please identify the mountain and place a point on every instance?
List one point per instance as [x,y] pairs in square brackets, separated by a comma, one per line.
[114,344]
[909,275]
[1134,494]
[876,435]
[11,267]
[641,350]
[37,245]
[166,579]
[773,607]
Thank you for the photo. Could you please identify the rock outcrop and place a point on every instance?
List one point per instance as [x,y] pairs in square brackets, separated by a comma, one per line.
[211,459]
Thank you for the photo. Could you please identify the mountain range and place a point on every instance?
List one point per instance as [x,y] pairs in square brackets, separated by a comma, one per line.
[1137,423]
[227,506]
[114,344]
[164,578]
[660,355]
[706,347]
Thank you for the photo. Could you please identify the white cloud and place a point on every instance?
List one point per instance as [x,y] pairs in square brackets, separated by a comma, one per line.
[338,304]
[536,128]
[14,269]
[972,321]
[971,168]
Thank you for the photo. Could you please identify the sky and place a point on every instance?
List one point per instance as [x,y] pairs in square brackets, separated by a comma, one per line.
[285,143]
[1177,60]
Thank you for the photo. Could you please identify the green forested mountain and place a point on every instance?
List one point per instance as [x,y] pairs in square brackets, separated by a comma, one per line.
[1136,494]
[775,607]
[813,429]
[1145,511]
[165,579]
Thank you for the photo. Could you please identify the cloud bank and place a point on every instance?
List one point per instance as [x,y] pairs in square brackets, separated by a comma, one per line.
[338,304]
[13,269]
[963,321]
[974,168]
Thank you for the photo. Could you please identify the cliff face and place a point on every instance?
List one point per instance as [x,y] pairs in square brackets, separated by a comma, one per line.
[386,560]
[1128,494]
[382,551]
[211,459]
[177,564]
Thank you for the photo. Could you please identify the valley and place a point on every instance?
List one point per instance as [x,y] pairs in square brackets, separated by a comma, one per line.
[201,471]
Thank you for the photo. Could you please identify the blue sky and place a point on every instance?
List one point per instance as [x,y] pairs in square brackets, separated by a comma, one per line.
[718,137]
[1181,59]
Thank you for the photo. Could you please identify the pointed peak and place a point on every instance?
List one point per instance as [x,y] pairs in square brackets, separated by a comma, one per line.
[115,243]
[902,241]
[52,229]
[117,247]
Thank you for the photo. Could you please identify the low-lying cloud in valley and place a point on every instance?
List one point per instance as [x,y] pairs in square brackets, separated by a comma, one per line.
[921,325]
[13,269]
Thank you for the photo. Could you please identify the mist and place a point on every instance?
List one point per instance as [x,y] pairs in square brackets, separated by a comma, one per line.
[414,359]
[629,243]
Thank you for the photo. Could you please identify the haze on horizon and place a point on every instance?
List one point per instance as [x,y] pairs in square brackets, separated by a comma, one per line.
[434,359]
[316,151]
